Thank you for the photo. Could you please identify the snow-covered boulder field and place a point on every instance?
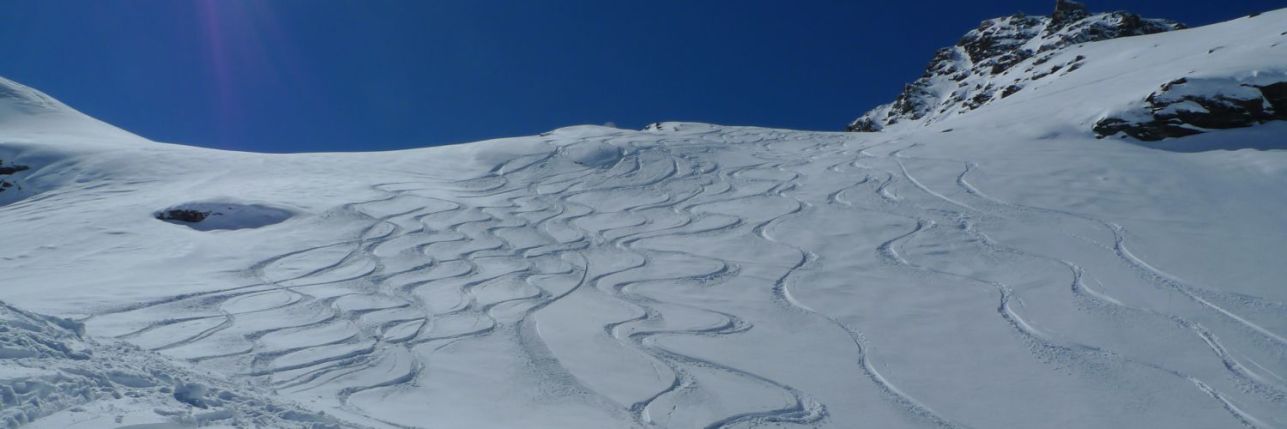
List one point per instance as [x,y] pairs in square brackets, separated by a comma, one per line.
[994,267]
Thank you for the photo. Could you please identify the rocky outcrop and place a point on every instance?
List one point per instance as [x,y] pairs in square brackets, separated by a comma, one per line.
[9,170]
[981,67]
[6,170]
[1188,106]
[1066,12]
[222,215]
[182,215]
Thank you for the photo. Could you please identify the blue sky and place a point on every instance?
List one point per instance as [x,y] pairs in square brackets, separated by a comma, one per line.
[318,75]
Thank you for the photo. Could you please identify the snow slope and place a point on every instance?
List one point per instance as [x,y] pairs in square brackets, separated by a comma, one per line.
[1013,272]
[53,377]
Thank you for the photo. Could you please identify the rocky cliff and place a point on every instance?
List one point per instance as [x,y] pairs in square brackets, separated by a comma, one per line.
[1000,58]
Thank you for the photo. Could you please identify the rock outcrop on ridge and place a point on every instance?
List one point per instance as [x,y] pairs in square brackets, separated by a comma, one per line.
[978,69]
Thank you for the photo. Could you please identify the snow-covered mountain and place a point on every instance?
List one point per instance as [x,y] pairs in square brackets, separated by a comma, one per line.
[1001,267]
[1212,80]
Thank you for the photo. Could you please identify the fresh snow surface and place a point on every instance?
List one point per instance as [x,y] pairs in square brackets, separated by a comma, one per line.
[1013,272]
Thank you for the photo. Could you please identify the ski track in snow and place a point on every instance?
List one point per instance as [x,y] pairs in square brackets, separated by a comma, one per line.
[991,269]
[367,316]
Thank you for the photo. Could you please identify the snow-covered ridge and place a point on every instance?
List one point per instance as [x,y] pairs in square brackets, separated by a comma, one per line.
[28,111]
[16,98]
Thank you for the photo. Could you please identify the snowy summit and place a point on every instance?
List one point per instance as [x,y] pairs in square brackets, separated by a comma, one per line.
[1073,221]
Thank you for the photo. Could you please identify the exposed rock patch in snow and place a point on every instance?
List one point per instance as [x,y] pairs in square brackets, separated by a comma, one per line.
[9,170]
[1188,106]
[209,216]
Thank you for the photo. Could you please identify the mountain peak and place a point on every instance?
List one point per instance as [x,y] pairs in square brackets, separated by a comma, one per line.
[1067,11]
[977,69]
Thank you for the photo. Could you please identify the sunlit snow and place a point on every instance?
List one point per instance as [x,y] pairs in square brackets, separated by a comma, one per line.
[1001,268]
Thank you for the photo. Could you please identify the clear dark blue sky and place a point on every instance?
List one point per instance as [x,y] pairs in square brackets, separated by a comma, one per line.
[319,75]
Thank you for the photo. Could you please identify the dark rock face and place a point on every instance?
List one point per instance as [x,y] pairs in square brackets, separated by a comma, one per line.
[1184,107]
[8,170]
[995,46]
[864,125]
[11,169]
[981,67]
[183,215]
[222,215]
[1067,11]
[1276,95]
[1151,131]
